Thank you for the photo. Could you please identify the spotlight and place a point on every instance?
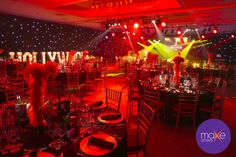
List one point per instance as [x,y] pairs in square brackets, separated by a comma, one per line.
[215,31]
[141,37]
[153,21]
[136,25]
[203,37]
[179,32]
[163,24]
[124,38]
[232,36]
[134,34]
[125,26]
[106,37]
[113,34]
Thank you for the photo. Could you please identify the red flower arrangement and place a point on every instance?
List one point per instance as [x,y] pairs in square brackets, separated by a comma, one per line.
[177,60]
[71,56]
[38,74]
[211,56]
[85,53]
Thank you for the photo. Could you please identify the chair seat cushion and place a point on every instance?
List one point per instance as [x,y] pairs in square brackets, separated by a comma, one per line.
[135,148]
[208,108]
[184,108]
[135,95]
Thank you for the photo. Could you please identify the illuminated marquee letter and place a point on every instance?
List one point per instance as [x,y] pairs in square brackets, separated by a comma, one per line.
[27,55]
[43,57]
[19,55]
[12,54]
[52,58]
[34,57]
[59,57]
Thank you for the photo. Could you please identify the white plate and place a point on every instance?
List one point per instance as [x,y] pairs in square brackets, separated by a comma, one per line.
[113,121]
[94,150]
[96,108]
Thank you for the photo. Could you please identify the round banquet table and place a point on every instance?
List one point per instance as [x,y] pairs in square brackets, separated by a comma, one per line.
[39,139]
[171,98]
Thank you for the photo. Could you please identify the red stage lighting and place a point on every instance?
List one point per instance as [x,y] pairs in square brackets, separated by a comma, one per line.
[141,37]
[179,32]
[124,38]
[113,34]
[232,36]
[134,34]
[136,25]
[215,31]
[163,24]
[125,26]
[203,37]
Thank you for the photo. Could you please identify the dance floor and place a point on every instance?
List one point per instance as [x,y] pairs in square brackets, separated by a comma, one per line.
[165,140]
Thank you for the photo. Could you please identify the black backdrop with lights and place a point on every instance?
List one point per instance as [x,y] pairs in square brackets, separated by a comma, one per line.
[23,34]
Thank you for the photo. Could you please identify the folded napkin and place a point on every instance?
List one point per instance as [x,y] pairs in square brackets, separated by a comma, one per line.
[100,142]
[112,116]
[97,104]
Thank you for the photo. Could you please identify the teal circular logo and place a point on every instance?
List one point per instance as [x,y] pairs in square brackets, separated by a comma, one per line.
[213,136]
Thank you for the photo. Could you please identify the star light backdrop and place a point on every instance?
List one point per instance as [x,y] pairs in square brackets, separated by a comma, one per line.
[23,34]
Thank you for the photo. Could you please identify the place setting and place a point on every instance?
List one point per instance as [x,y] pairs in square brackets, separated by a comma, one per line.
[110,118]
[98,105]
[98,144]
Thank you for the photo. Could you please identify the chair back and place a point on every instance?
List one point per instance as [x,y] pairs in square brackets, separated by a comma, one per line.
[152,95]
[3,69]
[113,98]
[19,88]
[72,79]
[145,119]
[218,101]
[188,101]
[90,76]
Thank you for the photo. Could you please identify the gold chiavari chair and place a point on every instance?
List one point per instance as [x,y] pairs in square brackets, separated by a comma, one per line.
[113,98]
[186,106]
[152,97]
[215,107]
[145,120]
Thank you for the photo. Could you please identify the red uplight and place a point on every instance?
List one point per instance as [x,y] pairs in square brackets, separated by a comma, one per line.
[179,32]
[136,25]
[163,24]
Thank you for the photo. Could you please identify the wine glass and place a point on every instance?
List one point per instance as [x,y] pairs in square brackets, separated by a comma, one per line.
[14,135]
[53,134]
[61,130]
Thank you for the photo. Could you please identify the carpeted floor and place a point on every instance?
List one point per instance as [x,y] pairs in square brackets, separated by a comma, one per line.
[164,140]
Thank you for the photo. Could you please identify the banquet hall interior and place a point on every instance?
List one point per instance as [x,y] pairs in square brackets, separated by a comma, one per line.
[117,78]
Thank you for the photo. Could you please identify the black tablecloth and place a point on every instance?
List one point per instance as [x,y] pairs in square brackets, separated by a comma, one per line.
[38,138]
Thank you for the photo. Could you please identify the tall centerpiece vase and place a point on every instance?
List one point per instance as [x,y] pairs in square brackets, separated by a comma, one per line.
[177,60]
